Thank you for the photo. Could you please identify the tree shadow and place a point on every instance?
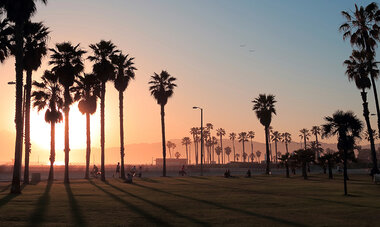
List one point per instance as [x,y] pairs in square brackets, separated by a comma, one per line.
[171,211]
[132,207]
[5,188]
[75,209]
[149,180]
[246,212]
[38,215]
[10,196]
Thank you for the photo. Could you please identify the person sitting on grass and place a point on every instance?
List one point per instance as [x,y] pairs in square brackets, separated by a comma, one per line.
[248,173]
[129,178]
[227,174]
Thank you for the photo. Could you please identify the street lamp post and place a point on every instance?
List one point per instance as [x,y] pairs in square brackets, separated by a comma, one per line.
[196,107]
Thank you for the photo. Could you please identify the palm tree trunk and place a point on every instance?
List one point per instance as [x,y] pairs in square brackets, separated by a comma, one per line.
[286,145]
[252,148]
[88,143]
[287,169]
[370,132]
[52,151]
[304,139]
[28,89]
[316,141]
[345,170]
[196,153]
[275,147]
[221,144]
[267,170]
[330,169]
[243,152]
[187,155]
[163,140]
[15,188]
[304,172]
[67,142]
[102,130]
[122,154]
[233,145]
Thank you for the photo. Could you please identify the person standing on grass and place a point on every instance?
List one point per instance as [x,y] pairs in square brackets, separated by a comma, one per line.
[118,169]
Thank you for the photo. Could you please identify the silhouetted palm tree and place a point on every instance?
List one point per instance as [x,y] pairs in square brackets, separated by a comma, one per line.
[5,35]
[209,128]
[237,157]
[186,141]
[252,157]
[357,71]
[286,138]
[125,71]
[233,137]
[304,134]
[284,161]
[104,70]
[258,154]
[49,94]
[218,151]
[221,132]
[228,150]
[162,86]
[242,139]
[276,137]
[362,28]
[329,159]
[87,91]
[177,155]
[304,157]
[194,131]
[374,134]
[67,65]
[316,130]
[347,127]
[264,108]
[214,141]
[171,145]
[35,47]
[251,135]
[19,13]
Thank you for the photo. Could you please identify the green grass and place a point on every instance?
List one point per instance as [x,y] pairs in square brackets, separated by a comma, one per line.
[184,201]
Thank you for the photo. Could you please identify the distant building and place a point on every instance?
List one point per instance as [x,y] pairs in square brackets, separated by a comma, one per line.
[172,162]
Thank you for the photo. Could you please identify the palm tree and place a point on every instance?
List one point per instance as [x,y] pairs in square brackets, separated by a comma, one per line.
[68,64]
[284,161]
[362,28]
[258,154]
[104,70]
[276,137]
[186,141]
[170,145]
[348,128]
[194,131]
[304,157]
[252,157]
[177,155]
[49,95]
[87,91]
[243,138]
[237,157]
[251,135]
[209,127]
[286,138]
[264,108]
[374,134]
[304,134]
[125,71]
[35,47]
[227,150]
[221,132]
[5,36]
[233,137]
[329,158]
[18,13]
[162,86]
[356,70]
[316,130]
[214,141]
[218,151]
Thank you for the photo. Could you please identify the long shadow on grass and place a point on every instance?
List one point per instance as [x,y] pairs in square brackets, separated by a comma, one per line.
[5,188]
[282,221]
[9,197]
[38,215]
[75,209]
[134,208]
[171,211]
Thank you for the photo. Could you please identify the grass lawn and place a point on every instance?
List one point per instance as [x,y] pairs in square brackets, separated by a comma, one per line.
[189,201]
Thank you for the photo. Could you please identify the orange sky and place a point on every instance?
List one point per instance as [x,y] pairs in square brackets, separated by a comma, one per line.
[199,44]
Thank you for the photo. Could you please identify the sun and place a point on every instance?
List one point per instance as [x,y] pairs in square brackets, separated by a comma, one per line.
[40,132]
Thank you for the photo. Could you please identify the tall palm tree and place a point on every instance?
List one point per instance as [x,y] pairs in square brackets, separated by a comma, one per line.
[5,36]
[209,128]
[218,151]
[347,127]
[276,137]
[227,150]
[264,108]
[49,95]
[170,145]
[304,157]
[35,47]
[362,29]
[194,131]
[304,135]
[374,134]
[242,139]
[186,141]
[286,138]
[162,88]
[18,12]
[87,91]
[221,132]
[251,135]
[214,141]
[125,71]
[233,137]
[104,70]
[316,130]
[357,71]
[284,160]
[67,65]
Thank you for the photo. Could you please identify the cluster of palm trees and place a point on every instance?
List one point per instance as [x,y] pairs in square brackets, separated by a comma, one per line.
[60,86]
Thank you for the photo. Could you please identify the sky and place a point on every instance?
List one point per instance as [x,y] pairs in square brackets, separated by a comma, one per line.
[223,54]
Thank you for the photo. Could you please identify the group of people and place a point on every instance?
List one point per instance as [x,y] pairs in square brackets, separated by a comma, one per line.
[133,172]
